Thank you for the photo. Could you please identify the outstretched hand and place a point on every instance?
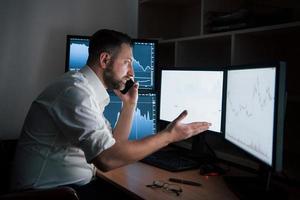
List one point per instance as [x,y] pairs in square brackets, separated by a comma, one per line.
[181,131]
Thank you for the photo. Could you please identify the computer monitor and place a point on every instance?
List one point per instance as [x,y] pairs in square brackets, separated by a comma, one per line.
[144,62]
[198,90]
[250,113]
[255,111]
[144,122]
[77,52]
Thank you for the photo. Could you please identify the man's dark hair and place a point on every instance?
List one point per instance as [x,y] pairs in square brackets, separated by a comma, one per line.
[108,41]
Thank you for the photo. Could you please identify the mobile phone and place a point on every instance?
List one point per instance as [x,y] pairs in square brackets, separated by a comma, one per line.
[128,85]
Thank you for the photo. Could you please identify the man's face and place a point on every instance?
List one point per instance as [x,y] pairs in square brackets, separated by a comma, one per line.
[119,69]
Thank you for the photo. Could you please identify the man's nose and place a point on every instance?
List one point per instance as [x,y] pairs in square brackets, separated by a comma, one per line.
[131,70]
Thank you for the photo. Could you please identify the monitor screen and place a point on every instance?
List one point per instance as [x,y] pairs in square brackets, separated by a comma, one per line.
[144,61]
[253,97]
[198,91]
[77,52]
[144,53]
[144,122]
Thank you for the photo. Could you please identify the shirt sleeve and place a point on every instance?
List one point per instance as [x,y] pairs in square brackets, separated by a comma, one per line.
[81,120]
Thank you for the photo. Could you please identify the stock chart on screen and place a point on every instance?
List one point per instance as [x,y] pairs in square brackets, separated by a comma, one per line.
[144,122]
[78,50]
[143,63]
[250,110]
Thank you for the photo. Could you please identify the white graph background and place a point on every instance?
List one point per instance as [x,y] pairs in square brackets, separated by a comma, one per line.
[198,92]
[250,110]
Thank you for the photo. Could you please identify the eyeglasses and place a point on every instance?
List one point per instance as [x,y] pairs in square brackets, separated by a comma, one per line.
[166,187]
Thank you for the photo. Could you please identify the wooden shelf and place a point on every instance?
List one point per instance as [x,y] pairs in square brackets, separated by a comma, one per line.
[202,52]
[182,18]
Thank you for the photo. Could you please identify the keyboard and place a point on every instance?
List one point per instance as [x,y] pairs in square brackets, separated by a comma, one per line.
[171,161]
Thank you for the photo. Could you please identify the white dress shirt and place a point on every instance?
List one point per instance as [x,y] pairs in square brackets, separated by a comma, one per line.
[63,131]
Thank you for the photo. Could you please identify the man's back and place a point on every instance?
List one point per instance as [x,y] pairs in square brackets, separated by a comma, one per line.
[50,152]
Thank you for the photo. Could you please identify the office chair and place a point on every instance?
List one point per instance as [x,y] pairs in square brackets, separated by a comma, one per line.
[7,150]
[64,193]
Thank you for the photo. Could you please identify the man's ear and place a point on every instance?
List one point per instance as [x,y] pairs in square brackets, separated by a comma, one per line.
[104,59]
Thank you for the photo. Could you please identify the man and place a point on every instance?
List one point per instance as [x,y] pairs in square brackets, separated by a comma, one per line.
[65,136]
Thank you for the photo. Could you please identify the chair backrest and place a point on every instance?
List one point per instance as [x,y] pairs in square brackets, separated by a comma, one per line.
[59,193]
[7,151]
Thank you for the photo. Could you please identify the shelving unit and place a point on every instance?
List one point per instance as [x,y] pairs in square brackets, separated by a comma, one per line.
[182,17]
[269,32]
[185,38]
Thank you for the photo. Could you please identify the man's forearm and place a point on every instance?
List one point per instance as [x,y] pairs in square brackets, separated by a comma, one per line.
[123,126]
[126,152]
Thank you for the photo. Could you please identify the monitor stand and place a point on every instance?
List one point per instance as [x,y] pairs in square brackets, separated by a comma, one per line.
[202,150]
[255,187]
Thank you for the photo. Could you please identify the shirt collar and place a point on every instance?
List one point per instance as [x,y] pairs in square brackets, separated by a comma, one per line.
[100,91]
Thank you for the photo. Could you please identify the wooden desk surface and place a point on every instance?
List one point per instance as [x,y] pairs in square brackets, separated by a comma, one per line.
[134,178]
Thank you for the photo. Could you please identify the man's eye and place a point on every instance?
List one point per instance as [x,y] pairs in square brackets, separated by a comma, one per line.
[127,61]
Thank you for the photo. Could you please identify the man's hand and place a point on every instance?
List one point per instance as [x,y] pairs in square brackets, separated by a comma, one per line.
[131,96]
[181,131]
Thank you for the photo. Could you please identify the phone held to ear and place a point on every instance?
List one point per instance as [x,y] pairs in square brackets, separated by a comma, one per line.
[128,85]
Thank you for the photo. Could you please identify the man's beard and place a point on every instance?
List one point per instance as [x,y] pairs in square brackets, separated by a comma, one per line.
[109,78]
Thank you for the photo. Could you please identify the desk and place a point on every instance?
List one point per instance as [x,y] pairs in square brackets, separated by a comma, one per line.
[133,178]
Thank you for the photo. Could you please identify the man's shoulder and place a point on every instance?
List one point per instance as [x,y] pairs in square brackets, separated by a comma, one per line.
[72,77]
[71,86]
[69,79]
